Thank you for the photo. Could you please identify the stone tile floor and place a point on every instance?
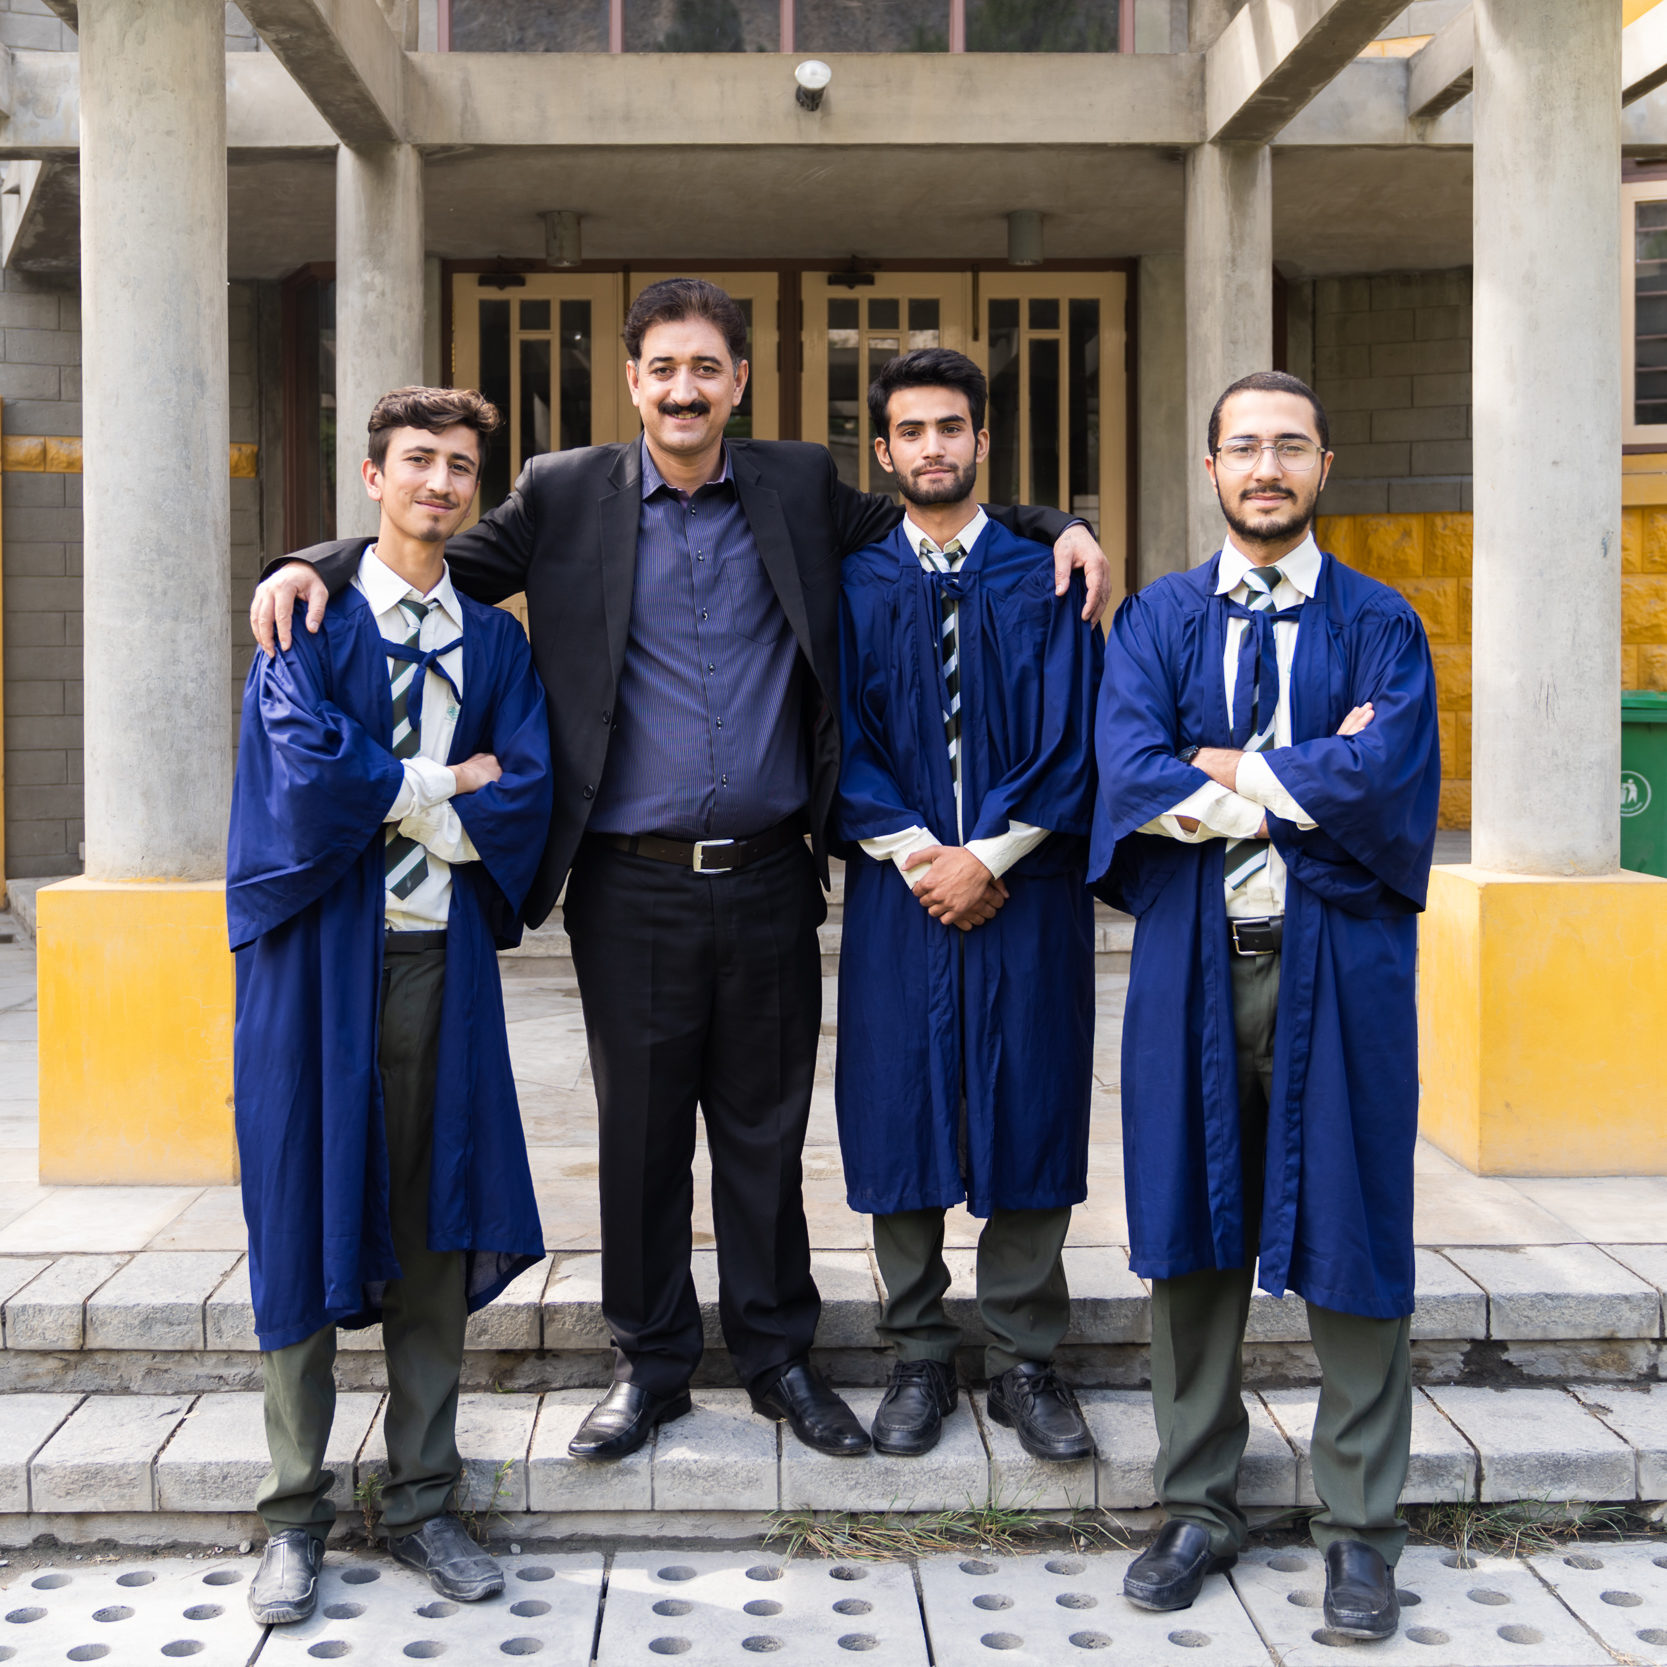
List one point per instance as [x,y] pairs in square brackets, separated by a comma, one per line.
[1587,1605]
[558,1104]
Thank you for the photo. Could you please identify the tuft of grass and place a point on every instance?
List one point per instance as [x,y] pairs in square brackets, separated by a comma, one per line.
[1522,1528]
[367,1495]
[477,1520]
[1005,1530]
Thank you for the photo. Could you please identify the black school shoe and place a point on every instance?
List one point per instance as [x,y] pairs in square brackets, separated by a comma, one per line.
[922,1393]
[623,1420]
[1038,1406]
[802,1400]
[1360,1596]
[456,1567]
[1170,1572]
[285,1587]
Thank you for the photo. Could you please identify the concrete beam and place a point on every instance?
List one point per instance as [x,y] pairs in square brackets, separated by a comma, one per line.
[1443,70]
[1276,55]
[1366,108]
[65,12]
[344,57]
[1644,55]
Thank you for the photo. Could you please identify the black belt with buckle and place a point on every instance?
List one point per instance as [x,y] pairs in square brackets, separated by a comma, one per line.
[1261,936]
[710,856]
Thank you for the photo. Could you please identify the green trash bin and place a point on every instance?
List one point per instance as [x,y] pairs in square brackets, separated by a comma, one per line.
[1644,781]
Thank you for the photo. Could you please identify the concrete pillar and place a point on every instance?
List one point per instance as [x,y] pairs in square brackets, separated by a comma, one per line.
[1546,624]
[1166,457]
[1229,303]
[379,304]
[156,491]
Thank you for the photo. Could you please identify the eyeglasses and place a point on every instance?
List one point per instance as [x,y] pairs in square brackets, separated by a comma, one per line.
[1297,456]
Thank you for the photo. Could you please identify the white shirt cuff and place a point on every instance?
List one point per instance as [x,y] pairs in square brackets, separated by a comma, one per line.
[426,784]
[1256,781]
[999,852]
[1219,812]
[440,830]
[894,847]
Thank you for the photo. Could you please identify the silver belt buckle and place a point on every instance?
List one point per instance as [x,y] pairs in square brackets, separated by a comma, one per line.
[701,848]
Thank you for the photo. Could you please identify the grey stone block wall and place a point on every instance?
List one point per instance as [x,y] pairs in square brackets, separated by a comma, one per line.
[31,26]
[1391,360]
[40,382]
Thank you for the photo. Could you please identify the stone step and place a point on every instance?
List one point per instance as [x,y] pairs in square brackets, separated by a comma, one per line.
[180,1322]
[68,1460]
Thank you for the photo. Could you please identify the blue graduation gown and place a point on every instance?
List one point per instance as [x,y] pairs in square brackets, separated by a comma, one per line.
[1004,1013]
[1337,1204]
[305,907]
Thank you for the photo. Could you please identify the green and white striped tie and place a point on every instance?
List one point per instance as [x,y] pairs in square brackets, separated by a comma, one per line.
[949,644]
[1246,858]
[405,859]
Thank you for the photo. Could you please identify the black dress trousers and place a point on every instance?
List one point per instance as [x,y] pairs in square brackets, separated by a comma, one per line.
[701,989]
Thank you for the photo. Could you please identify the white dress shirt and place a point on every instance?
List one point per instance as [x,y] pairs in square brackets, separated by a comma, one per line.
[422,808]
[999,852]
[1223,813]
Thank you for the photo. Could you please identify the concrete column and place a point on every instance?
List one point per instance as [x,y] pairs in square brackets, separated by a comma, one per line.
[1546,618]
[156,490]
[379,304]
[1165,454]
[1229,303]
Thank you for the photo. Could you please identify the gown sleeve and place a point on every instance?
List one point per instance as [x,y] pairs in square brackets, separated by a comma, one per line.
[311,789]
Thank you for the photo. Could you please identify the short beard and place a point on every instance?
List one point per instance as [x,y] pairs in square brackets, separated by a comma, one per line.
[951,492]
[1297,522]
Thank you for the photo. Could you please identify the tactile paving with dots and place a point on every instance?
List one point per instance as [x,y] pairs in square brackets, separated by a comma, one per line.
[135,1609]
[724,1607]
[373,1612]
[1453,1614]
[1070,1607]
[1619,1591]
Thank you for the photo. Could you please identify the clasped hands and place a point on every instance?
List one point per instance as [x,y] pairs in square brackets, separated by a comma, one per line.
[1221,764]
[957,889]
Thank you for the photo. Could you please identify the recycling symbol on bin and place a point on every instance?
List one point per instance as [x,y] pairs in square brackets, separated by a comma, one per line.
[1635,793]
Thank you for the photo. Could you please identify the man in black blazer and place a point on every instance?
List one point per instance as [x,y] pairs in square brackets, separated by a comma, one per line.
[683,601]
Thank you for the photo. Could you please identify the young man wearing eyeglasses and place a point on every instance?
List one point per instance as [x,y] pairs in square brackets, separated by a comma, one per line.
[1269,775]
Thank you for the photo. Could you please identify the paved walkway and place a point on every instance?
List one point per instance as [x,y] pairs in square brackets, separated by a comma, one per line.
[558,1104]
[1587,1606]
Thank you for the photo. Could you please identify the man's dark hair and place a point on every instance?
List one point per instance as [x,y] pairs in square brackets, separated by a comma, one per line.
[674,299]
[1272,382]
[433,410]
[927,367]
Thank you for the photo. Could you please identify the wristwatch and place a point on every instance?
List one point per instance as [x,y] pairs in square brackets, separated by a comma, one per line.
[1188,754]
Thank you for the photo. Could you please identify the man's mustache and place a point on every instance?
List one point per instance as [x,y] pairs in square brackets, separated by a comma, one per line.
[695,408]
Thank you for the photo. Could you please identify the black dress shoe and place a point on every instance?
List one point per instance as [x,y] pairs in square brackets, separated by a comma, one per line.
[1360,1596]
[1169,1573]
[285,1587]
[813,1412]
[456,1567]
[623,1420]
[910,1417]
[1036,1403]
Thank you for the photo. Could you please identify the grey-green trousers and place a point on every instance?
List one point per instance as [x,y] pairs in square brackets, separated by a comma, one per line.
[423,1312]
[1363,1430]
[1022,1296]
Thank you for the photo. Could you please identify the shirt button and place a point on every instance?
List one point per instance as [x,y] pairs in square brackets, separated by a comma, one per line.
[703,613]
[724,780]
[720,723]
[590,791]
[710,666]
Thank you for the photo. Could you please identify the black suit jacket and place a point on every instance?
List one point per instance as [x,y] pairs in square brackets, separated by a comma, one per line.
[567,536]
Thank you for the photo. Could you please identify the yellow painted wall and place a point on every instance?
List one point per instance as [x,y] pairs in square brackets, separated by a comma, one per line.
[1428,557]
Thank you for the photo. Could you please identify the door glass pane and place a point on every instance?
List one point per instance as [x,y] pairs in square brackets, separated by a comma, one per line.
[530,26]
[1044,421]
[844,346]
[1083,404]
[576,372]
[701,25]
[873,25]
[535,315]
[535,396]
[883,312]
[1044,312]
[880,350]
[1004,402]
[494,383]
[739,426]
[1650,314]
[1041,25]
[923,325]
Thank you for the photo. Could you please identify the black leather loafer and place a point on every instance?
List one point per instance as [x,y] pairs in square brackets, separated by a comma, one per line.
[456,1567]
[623,1420]
[1038,1406]
[1170,1572]
[910,1416]
[285,1587]
[816,1415]
[1360,1596]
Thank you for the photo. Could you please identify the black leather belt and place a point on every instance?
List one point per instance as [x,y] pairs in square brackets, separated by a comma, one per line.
[1261,936]
[710,856]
